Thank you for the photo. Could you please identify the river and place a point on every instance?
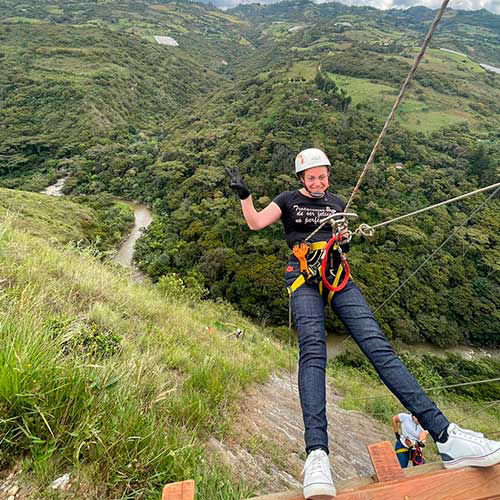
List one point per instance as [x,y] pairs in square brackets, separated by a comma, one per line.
[55,189]
[142,219]
[336,344]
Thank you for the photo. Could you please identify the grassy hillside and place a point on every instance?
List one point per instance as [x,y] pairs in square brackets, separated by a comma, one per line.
[118,383]
[369,53]
[96,221]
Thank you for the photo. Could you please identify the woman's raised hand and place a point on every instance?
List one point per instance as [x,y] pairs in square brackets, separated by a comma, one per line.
[236,183]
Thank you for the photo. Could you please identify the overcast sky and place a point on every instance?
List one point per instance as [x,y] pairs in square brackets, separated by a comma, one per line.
[491,5]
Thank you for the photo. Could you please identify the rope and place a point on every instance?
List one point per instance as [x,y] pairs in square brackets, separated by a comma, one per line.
[399,98]
[429,258]
[456,407]
[290,343]
[365,229]
[436,388]
[436,251]
[476,412]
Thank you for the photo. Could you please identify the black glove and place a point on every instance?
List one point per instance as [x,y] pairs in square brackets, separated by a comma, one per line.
[236,183]
[398,435]
[421,444]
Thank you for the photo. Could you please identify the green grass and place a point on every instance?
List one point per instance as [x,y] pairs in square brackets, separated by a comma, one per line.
[448,62]
[99,221]
[119,383]
[44,216]
[362,90]
[429,121]
[21,20]
[304,69]
[427,115]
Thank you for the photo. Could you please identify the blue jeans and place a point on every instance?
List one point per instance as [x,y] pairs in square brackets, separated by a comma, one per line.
[350,306]
[402,454]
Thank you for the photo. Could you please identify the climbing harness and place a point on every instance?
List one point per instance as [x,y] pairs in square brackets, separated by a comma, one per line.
[417,455]
[316,259]
[313,262]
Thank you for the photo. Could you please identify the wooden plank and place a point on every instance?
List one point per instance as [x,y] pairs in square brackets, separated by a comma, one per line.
[385,462]
[343,485]
[424,483]
[422,469]
[183,490]
[459,484]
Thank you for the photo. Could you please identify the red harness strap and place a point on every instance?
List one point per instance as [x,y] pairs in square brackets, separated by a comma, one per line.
[345,265]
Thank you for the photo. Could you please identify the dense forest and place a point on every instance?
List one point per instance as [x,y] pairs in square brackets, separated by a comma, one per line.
[88,94]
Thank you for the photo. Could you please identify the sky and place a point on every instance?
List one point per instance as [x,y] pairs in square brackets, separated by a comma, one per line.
[491,5]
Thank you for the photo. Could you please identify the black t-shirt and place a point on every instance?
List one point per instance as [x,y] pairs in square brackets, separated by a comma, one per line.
[301,215]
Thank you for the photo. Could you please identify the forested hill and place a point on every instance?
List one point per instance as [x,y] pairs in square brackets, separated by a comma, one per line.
[77,76]
[95,98]
[475,33]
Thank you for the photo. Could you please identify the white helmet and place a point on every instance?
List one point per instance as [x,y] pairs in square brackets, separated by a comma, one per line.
[309,158]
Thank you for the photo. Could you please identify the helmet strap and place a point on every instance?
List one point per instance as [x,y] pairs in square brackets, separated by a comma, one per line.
[316,195]
[313,194]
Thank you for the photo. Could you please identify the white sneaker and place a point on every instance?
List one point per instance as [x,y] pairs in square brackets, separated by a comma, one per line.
[318,483]
[465,447]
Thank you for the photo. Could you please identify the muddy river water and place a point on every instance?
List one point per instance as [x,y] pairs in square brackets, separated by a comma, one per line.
[143,218]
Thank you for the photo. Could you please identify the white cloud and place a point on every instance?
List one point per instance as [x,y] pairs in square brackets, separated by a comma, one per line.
[491,5]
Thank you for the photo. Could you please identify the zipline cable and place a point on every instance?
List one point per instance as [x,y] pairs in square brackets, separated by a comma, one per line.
[399,98]
[437,249]
[456,407]
[477,411]
[429,389]
[430,256]
[365,227]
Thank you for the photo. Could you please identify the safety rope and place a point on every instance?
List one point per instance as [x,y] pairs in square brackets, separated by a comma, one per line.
[445,408]
[290,342]
[437,250]
[399,98]
[436,388]
[477,411]
[366,230]
[429,258]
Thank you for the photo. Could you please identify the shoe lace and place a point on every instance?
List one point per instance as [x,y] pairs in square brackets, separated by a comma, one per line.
[472,433]
[313,465]
[475,436]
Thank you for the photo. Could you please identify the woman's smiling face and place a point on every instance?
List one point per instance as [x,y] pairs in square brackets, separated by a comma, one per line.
[315,179]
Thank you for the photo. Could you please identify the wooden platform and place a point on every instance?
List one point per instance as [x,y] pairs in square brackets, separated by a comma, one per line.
[425,482]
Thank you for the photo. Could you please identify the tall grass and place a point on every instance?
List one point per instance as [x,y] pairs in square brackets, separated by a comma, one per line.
[117,382]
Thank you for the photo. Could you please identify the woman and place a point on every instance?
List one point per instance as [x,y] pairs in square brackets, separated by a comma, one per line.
[300,212]
[410,441]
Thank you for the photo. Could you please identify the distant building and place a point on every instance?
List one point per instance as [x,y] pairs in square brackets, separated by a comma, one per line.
[166,40]
[399,166]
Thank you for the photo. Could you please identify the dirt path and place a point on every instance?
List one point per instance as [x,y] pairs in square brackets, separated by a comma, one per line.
[267,450]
